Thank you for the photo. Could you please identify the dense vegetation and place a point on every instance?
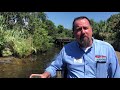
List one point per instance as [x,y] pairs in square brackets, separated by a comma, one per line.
[25,33]
[108,30]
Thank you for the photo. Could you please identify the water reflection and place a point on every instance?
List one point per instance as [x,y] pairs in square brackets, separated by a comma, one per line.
[22,68]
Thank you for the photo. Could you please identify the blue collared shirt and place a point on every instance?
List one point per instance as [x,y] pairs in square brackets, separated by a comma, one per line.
[98,61]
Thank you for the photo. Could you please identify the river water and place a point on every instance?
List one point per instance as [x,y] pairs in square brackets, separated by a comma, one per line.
[11,67]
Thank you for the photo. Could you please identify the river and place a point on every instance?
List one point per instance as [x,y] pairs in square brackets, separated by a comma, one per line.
[11,67]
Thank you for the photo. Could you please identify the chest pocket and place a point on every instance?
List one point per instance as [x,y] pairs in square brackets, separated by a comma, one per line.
[101,70]
[101,63]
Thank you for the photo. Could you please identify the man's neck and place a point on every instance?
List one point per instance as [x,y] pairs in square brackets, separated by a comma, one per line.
[91,41]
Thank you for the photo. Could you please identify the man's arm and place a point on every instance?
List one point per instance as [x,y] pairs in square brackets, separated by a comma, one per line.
[56,64]
[115,68]
[50,71]
[43,75]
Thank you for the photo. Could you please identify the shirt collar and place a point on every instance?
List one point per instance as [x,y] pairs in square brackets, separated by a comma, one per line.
[86,49]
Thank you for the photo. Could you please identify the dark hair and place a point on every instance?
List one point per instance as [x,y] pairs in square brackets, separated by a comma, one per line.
[81,17]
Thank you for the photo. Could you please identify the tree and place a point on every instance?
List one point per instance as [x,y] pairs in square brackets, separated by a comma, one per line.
[114,26]
[60,28]
[50,27]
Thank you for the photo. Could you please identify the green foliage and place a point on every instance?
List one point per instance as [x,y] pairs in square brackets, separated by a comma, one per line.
[19,42]
[68,33]
[2,27]
[41,40]
[63,32]
[7,52]
[113,22]
[22,47]
[50,27]
[60,28]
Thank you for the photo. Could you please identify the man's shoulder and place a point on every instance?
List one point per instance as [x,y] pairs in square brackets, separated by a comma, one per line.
[102,43]
[72,44]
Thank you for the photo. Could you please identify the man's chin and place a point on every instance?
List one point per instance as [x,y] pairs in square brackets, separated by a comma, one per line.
[85,42]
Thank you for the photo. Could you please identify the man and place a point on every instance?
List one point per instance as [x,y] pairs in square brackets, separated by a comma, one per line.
[85,57]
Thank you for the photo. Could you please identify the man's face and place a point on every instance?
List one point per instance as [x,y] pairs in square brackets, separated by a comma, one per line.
[83,32]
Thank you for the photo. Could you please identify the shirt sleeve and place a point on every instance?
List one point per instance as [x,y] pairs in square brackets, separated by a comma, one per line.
[114,66]
[56,64]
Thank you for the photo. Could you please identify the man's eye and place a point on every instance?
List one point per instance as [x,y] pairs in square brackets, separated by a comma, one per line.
[78,29]
[85,28]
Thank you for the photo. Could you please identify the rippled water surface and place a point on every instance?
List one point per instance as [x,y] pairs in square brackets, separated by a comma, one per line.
[11,67]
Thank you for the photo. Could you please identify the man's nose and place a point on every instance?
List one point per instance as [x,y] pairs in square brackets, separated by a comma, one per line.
[83,31]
